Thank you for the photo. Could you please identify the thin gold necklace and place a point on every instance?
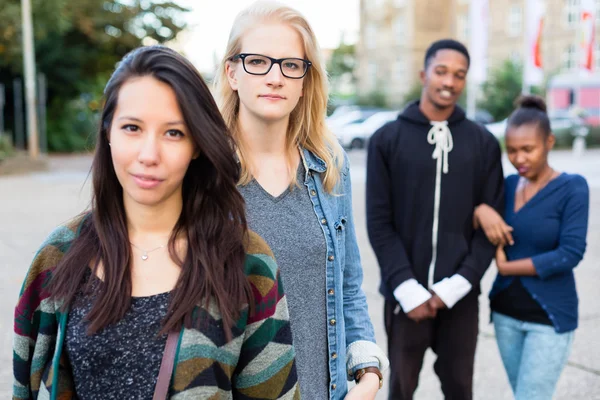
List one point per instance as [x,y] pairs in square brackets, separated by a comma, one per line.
[145,252]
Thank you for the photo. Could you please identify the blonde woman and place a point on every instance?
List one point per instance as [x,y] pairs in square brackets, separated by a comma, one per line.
[295,179]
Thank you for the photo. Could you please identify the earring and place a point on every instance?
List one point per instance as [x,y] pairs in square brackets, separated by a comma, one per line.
[109,143]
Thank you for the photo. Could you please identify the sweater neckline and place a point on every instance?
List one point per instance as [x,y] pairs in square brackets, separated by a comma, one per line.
[550,187]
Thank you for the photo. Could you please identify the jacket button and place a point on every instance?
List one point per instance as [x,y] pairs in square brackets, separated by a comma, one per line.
[324,221]
[334,355]
[334,386]
[331,292]
[331,258]
[313,193]
[332,322]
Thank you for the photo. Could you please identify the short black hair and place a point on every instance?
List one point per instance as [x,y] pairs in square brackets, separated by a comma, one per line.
[531,110]
[446,44]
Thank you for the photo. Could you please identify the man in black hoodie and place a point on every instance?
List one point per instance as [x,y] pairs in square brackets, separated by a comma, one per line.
[426,173]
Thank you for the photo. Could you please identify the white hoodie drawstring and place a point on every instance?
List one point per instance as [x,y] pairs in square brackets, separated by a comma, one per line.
[441,137]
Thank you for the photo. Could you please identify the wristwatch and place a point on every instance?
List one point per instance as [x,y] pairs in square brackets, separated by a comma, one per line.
[358,374]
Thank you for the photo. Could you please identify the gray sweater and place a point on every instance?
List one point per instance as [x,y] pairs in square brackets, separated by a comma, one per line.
[289,225]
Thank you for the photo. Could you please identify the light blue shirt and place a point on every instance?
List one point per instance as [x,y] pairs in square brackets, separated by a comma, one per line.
[350,335]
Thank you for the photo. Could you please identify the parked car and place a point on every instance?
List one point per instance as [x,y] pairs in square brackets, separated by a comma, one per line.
[563,125]
[483,117]
[350,115]
[497,128]
[356,134]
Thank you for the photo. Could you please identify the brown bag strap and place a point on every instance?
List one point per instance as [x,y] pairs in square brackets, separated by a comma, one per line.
[166,367]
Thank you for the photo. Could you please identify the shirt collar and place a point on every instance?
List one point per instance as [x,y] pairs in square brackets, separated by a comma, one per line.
[312,162]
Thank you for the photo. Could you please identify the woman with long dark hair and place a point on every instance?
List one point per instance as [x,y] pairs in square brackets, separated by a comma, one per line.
[160,285]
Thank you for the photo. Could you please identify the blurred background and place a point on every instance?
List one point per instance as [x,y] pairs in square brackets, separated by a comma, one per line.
[373,49]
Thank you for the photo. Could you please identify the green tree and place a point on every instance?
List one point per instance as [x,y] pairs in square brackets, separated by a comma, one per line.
[414,93]
[502,88]
[340,68]
[76,43]
[375,98]
[342,62]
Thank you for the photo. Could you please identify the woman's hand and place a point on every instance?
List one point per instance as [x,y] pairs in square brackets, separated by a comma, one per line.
[501,260]
[365,389]
[494,227]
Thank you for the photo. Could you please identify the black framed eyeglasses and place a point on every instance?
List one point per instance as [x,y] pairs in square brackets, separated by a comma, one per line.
[257,64]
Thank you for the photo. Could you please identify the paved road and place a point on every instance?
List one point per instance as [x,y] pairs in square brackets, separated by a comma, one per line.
[31,205]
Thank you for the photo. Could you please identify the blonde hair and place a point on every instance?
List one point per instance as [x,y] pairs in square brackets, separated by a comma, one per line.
[307,126]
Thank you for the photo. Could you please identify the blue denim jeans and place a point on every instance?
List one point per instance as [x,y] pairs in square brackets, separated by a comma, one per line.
[534,356]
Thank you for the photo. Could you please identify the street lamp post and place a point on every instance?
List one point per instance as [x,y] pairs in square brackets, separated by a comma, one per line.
[29,68]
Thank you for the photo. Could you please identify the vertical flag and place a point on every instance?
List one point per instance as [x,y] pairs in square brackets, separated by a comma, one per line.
[533,72]
[587,31]
[478,43]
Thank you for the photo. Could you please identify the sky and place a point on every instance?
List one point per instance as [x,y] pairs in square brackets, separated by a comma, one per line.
[210,22]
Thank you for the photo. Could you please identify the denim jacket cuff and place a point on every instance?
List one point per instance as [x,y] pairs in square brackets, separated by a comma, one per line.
[362,354]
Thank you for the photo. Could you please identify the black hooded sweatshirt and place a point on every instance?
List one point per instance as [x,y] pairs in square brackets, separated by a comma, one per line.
[402,176]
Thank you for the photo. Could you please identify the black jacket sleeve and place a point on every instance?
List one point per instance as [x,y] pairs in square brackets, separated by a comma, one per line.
[491,193]
[385,241]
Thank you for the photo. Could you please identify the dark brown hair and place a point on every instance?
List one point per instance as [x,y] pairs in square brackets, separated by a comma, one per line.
[531,110]
[212,218]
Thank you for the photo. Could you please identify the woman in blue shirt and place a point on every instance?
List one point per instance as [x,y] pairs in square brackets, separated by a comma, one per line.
[540,242]
[272,86]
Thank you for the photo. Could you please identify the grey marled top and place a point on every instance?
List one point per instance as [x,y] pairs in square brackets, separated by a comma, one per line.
[289,225]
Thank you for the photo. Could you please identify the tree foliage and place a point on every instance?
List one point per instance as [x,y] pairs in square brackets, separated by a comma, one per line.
[341,67]
[503,87]
[375,98]
[414,93]
[342,61]
[78,41]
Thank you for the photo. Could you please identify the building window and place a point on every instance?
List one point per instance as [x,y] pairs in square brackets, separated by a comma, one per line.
[570,58]
[400,69]
[515,20]
[462,27]
[572,12]
[515,57]
[399,29]
[371,36]
[372,75]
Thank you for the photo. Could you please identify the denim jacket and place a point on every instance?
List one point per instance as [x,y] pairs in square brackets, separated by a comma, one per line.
[350,335]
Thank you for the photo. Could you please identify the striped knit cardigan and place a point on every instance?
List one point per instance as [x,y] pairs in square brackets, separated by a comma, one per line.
[258,363]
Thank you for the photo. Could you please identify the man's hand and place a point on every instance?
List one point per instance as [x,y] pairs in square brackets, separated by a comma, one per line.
[422,312]
[436,302]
